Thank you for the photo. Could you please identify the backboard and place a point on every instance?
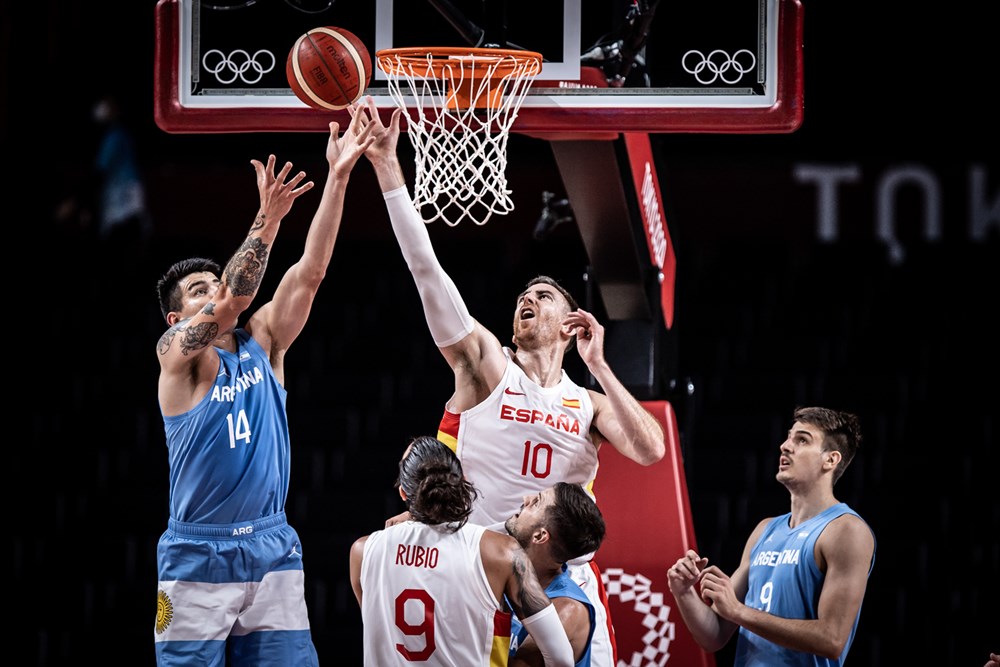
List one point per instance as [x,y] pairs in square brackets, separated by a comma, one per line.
[626,65]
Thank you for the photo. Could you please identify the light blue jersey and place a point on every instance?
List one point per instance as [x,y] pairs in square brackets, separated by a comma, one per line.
[562,586]
[784,580]
[230,454]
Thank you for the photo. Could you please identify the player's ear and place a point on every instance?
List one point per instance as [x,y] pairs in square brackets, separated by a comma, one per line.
[402,494]
[833,458]
[540,536]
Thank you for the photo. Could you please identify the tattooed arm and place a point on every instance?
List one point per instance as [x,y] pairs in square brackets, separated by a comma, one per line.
[513,577]
[209,306]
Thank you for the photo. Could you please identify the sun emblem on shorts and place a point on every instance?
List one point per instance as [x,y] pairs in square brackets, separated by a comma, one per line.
[164,612]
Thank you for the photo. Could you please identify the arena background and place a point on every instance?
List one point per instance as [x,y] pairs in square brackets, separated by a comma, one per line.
[769,315]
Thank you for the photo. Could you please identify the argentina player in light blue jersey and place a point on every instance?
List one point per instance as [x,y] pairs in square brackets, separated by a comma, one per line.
[553,527]
[231,583]
[797,593]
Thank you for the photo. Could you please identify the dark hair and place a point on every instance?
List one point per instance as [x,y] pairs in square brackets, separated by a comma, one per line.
[436,489]
[167,291]
[575,524]
[841,432]
[552,282]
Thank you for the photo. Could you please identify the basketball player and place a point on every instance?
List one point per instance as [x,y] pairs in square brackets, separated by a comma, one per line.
[796,596]
[516,420]
[432,589]
[231,587]
[554,526]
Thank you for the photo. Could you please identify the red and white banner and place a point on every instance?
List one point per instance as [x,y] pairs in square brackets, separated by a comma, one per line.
[647,190]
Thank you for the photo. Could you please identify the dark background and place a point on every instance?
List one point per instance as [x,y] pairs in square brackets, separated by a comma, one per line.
[768,317]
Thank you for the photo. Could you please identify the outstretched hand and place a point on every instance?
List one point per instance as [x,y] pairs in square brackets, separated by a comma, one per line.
[343,150]
[386,137]
[277,195]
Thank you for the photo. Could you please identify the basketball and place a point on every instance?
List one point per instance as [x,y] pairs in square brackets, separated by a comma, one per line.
[328,68]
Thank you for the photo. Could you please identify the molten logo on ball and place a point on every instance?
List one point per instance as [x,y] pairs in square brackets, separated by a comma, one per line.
[329,68]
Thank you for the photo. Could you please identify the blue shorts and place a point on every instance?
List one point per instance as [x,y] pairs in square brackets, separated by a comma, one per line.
[232,592]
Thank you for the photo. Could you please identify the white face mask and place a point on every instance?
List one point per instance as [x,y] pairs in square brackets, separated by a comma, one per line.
[102,112]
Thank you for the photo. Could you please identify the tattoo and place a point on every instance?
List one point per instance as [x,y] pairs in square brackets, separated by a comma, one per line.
[531,597]
[246,269]
[209,308]
[166,339]
[198,337]
[258,222]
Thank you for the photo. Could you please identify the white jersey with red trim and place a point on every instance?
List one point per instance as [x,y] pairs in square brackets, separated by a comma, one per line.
[522,439]
[426,599]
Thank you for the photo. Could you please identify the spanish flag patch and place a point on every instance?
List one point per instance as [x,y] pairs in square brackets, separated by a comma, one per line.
[571,402]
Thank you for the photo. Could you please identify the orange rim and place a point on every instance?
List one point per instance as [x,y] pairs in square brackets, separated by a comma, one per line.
[439,58]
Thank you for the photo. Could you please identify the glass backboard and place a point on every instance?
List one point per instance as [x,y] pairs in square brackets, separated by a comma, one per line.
[620,65]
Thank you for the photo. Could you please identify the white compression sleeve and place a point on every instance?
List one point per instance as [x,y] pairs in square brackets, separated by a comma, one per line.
[447,317]
[550,635]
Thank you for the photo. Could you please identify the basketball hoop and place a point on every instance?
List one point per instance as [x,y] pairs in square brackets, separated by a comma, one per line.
[462,104]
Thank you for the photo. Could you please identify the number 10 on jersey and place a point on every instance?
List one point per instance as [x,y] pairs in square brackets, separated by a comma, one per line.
[537,460]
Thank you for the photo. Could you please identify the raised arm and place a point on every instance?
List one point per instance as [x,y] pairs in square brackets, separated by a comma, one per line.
[465,344]
[182,347]
[618,416]
[278,323]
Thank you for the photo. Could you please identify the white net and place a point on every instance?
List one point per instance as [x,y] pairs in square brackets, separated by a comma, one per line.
[459,110]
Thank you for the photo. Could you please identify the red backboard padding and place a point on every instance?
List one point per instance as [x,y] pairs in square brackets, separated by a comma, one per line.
[649,526]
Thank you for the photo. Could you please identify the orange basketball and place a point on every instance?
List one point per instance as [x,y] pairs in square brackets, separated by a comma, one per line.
[328,68]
